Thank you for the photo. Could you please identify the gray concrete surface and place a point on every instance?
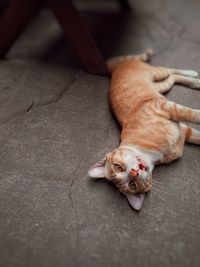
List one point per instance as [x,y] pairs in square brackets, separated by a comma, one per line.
[55,122]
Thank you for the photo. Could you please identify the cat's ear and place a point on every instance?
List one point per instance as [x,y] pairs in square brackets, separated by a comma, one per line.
[136,200]
[98,170]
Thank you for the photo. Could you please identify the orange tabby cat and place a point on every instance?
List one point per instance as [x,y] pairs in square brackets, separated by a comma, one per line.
[152,128]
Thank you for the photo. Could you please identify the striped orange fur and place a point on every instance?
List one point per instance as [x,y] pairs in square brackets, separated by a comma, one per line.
[152,126]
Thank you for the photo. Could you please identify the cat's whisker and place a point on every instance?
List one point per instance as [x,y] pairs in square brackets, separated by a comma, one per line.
[156,182]
[159,190]
[158,195]
[160,185]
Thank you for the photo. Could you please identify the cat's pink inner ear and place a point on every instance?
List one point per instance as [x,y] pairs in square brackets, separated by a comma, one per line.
[97,170]
[136,200]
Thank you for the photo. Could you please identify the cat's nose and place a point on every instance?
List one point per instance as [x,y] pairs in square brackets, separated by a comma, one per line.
[134,172]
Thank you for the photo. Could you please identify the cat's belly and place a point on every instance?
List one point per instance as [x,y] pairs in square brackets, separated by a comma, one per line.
[161,135]
[127,97]
[176,141]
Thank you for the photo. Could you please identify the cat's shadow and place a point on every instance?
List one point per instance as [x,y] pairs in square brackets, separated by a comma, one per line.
[113,190]
[106,186]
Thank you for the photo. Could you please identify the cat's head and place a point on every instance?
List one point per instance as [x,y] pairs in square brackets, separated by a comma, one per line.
[129,170]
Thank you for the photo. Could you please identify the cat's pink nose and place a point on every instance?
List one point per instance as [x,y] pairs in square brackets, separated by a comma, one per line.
[134,172]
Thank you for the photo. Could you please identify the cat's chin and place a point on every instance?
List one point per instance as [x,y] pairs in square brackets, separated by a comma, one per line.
[135,200]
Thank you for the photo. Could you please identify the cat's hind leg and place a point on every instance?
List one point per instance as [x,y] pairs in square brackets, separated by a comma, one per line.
[161,73]
[146,55]
[191,135]
[165,85]
[188,73]
[176,112]
[187,134]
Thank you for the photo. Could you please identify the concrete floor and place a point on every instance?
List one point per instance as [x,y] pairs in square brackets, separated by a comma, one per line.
[55,122]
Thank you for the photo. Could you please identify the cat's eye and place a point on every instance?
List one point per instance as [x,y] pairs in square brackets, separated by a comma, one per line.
[132,185]
[118,168]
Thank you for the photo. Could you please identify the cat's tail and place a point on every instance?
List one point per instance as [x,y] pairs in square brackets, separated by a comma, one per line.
[113,62]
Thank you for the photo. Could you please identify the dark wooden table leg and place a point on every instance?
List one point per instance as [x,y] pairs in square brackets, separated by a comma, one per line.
[13,20]
[3,4]
[79,36]
[125,5]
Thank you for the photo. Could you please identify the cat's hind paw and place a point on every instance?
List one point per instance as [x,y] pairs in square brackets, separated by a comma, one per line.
[148,53]
[190,73]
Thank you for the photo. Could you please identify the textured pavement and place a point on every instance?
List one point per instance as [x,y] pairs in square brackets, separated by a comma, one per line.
[55,122]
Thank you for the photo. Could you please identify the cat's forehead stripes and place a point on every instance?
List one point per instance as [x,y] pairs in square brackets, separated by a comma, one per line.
[124,157]
[117,156]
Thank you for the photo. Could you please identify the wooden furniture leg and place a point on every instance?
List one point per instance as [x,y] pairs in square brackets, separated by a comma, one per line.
[18,12]
[77,33]
[13,20]
[2,6]
[125,5]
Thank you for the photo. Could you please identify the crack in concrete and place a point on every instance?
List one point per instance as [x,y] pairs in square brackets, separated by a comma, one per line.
[170,34]
[170,37]
[4,121]
[142,22]
[57,98]
[72,203]
[33,105]
[71,197]
[183,28]
[28,109]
